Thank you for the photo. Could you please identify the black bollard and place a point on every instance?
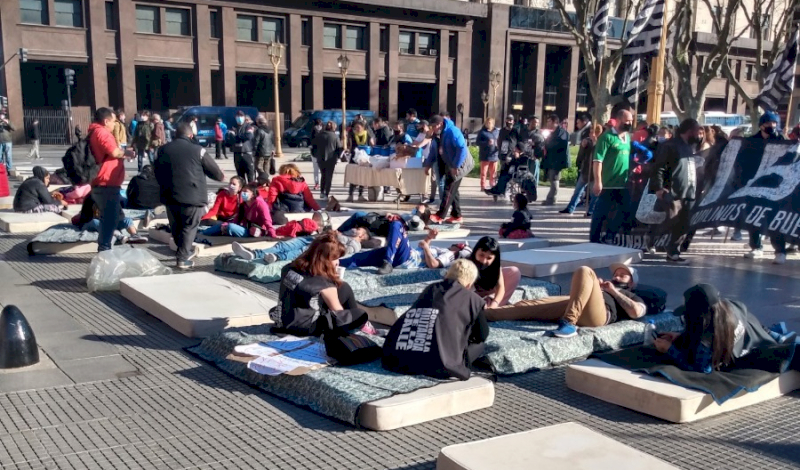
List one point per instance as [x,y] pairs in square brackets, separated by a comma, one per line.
[17,341]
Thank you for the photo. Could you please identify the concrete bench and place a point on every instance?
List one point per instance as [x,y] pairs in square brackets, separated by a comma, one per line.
[567,259]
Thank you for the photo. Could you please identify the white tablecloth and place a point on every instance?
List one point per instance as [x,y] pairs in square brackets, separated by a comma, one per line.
[408,180]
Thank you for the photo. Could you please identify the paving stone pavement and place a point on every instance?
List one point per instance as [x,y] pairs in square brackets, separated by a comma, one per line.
[143,402]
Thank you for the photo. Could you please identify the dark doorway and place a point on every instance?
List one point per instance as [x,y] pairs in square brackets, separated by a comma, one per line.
[217,88]
[419,96]
[357,94]
[44,85]
[164,89]
[257,90]
[522,99]
[114,89]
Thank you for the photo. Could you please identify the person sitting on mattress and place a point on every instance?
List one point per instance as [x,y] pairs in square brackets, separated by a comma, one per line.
[226,205]
[433,257]
[32,196]
[591,302]
[520,225]
[443,332]
[289,193]
[397,249]
[495,284]
[89,220]
[254,219]
[719,332]
[312,299]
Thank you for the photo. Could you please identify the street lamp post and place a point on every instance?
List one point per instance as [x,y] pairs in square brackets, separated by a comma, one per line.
[485,99]
[275,50]
[494,81]
[344,63]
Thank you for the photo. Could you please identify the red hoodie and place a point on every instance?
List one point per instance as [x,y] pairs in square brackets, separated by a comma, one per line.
[103,145]
[226,206]
[286,184]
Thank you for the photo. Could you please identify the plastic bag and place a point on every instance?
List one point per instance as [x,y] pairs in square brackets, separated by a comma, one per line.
[379,163]
[108,267]
[360,157]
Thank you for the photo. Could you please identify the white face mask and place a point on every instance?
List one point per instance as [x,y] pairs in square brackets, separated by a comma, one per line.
[240,120]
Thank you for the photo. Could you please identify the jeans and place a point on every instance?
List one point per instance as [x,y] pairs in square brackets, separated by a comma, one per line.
[140,154]
[184,220]
[609,200]
[554,177]
[437,182]
[778,242]
[350,223]
[107,199]
[234,230]
[288,250]
[535,170]
[316,170]
[581,187]
[5,155]
[394,252]
[94,225]
[34,154]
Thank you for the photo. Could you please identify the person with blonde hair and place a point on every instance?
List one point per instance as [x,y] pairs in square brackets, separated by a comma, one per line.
[489,153]
[288,191]
[443,332]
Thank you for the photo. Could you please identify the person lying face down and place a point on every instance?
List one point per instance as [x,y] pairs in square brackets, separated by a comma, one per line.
[592,302]
[443,332]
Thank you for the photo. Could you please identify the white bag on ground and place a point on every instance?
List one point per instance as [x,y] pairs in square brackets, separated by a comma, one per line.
[108,267]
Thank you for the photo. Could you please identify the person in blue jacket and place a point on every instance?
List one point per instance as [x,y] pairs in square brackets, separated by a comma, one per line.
[458,162]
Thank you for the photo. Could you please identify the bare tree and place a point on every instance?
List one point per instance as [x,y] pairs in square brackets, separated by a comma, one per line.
[766,52]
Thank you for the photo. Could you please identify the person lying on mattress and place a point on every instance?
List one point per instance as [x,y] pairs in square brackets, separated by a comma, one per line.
[416,220]
[396,252]
[718,332]
[443,332]
[32,196]
[495,284]
[226,205]
[591,302]
[253,220]
[89,219]
[313,300]
[433,257]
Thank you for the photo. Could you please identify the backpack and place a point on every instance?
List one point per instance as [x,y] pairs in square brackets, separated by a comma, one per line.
[80,164]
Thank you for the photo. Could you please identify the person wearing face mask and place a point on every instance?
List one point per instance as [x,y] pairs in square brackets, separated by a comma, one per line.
[226,205]
[244,148]
[591,302]
[143,138]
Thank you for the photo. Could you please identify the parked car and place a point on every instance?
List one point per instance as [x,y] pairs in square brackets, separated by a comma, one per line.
[299,133]
[207,119]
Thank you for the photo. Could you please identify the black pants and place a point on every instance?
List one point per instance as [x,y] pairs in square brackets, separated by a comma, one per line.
[353,190]
[183,221]
[681,235]
[221,149]
[326,168]
[344,321]
[245,166]
[451,196]
[475,351]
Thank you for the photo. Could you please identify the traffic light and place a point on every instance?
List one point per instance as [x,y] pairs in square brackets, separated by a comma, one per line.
[3,102]
[69,74]
[23,55]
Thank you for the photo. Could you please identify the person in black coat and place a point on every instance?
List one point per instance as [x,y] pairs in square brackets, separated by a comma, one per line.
[143,190]
[32,195]
[556,156]
[33,136]
[327,149]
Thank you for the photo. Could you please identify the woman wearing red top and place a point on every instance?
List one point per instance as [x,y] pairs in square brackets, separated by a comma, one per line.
[226,206]
[288,192]
[254,219]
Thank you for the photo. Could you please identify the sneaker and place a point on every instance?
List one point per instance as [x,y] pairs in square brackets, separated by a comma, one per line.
[242,252]
[780,258]
[435,219]
[548,203]
[677,259]
[651,250]
[588,214]
[386,268]
[138,238]
[316,187]
[349,198]
[187,264]
[454,220]
[270,258]
[737,236]
[754,254]
[565,211]
[565,330]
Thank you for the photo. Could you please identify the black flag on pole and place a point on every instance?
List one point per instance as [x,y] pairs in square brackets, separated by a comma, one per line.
[780,81]
[600,25]
[645,35]
[633,81]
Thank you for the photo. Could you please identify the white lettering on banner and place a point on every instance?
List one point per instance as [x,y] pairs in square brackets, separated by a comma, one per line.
[726,165]
[756,215]
[779,164]
[417,330]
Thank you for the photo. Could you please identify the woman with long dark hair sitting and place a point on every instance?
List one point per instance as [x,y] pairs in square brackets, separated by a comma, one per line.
[313,298]
[495,284]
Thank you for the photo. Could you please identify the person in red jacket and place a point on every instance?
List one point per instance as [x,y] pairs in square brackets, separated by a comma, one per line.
[226,206]
[288,192]
[254,219]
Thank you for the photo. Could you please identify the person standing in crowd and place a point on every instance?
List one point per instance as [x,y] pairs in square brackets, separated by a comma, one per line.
[641,134]
[243,148]
[455,155]
[769,125]
[169,128]
[327,148]
[220,131]
[435,162]
[411,123]
[107,185]
[33,136]
[318,127]
[556,157]
[264,147]
[5,142]
[489,154]
[524,128]
[674,181]
[159,134]
[383,135]
[143,136]
[610,175]
[506,139]
[583,161]
[181,169]
[120,131]
[193,124]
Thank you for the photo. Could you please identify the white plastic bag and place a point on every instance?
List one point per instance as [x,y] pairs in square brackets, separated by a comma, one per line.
[379,163]
[108,267]
[360,157]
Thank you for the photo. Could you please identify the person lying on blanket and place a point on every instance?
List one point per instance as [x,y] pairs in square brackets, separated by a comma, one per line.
[254,219]
[396,252]
[89,220]
[416,220]
[718,332]
[313,300]
[443,332]
[495,284]
[433,257]
[591,302]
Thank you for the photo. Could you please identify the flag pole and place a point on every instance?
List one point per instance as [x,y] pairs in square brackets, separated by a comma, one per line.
[655,89]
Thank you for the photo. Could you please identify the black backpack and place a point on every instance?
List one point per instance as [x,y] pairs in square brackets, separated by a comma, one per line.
[80,164]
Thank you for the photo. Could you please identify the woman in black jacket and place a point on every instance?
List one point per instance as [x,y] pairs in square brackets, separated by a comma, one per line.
[143,190]
[327,149]
[32,196]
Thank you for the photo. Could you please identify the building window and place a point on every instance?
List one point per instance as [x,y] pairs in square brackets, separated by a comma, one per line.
[425,43]
[147,20]
[305,33]
[246,28]
[271,30]
[453,52]
[213,16]
[69,13]
[177,21]
[384,45]
[354,38]
[750,73]
[111,17]
[765,27]
[406,42]
[332,36]
[33,11]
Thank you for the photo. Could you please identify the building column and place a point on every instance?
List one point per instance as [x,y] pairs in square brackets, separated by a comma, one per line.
[294,55]
[127,56]
[463,66]
[575,56]
[374,66]
[96,28]
[202,54]
[497,59]
[10,75]
[394,70]
[317,84]
[228,59]
[541,70]
[443,71]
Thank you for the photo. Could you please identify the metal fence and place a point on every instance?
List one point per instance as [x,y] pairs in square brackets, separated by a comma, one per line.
[54,124]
